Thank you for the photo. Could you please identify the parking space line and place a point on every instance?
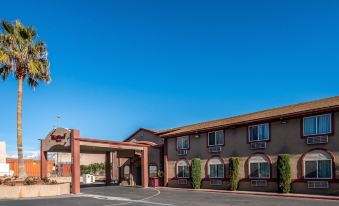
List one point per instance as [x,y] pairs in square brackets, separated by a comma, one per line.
[126,201]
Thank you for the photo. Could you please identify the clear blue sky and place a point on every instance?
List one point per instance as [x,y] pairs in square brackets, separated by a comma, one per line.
[120,65]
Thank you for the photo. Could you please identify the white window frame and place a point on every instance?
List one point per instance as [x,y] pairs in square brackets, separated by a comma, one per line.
[317,178]
[223,171]
[215,138]
[182,139]
[188,170]
[316,123]
[258,162]
[257,125]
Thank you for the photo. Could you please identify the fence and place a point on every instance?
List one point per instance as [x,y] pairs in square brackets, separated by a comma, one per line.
[32,166]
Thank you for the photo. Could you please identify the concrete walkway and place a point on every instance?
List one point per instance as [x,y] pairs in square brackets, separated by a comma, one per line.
[268,194]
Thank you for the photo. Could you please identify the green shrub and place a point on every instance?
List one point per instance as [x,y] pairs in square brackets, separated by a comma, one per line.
[196,173]
[234,173]
[93,169]
[284,173]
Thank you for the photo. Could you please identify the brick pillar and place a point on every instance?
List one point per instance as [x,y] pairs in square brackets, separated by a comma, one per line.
[75,149]
[144,167]
[108,168]
[43,159]
[165,165]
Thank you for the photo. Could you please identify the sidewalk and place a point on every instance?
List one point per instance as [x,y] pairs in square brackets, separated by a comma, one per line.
[267,194]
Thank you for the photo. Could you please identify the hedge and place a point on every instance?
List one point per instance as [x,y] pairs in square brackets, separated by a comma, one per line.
[196,173]
[93,169]
[284,173]
[234,172]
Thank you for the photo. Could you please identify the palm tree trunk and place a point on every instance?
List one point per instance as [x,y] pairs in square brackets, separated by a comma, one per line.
[22,171]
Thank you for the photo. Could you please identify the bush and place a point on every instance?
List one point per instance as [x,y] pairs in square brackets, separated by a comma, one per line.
[284,173]
[8,182]
[39,181]
[234,173]
[196,173]
[31,181]
[93,169]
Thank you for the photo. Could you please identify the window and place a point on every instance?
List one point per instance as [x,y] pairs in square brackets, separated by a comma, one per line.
[153,171]
[259,167]
[183,142]
[316,125]
[258,132]
[216,168]
[216,138]
[183,169]
[126,171]
[318,165]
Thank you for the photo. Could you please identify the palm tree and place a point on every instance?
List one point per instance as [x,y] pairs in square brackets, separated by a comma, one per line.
[25,57]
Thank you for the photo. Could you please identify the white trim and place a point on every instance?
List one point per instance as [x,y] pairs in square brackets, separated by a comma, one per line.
[185,165]
[182,142]
[258,162]
[209,171]
[215,138]
[316,122]
[257,125]
[317,178]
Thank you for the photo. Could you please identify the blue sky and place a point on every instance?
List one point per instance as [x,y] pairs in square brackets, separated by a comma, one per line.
[120,65]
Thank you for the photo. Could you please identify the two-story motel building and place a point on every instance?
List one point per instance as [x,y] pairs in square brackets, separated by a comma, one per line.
[306,131]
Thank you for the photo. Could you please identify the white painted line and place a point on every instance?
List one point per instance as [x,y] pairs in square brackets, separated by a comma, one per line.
[125,201]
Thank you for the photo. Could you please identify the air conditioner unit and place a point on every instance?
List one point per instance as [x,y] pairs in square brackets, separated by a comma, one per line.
[317,184]
[317,139]
[257,145]
[215,182]
[214,149]
[181,152]
[182,181]
[258,183]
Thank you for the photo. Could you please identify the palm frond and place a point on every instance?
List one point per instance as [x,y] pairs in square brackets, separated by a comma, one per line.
[8,27]
[4,72]
[32,82]
[22,54]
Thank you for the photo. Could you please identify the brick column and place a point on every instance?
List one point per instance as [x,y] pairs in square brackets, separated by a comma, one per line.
[108,168]
[165,165]
[43,159]
[144,167]
[75,149]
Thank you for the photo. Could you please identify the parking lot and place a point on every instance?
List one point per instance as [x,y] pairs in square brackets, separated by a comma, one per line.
[117,195]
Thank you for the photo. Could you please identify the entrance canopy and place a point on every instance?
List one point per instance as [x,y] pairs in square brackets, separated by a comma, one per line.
[69,140]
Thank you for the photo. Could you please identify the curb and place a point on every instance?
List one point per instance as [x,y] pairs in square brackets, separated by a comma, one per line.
[289,195]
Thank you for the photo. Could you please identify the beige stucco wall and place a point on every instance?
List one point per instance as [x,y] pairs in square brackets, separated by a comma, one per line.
[285,138]
[85,159]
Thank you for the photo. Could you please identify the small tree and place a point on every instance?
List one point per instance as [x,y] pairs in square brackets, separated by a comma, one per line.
[234,172]
[284,173]
[196,173]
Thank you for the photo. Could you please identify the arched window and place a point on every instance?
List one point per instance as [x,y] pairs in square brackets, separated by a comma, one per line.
[126,171]
[259,166]
[182,169]
[215,168]
[317,165]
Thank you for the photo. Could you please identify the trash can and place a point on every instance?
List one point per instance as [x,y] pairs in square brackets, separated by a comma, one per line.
[155,182]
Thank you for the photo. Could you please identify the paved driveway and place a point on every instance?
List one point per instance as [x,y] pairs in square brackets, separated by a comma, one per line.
[115,195]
